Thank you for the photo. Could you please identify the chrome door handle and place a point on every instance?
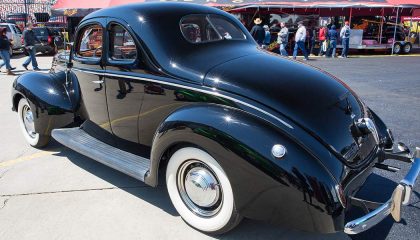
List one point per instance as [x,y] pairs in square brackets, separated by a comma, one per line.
[98,81]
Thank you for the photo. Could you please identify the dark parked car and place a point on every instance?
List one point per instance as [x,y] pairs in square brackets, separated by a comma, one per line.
[239,132]
[46,36]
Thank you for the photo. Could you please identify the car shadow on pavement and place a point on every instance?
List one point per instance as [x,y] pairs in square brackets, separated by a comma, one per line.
[156,196]
[377,188]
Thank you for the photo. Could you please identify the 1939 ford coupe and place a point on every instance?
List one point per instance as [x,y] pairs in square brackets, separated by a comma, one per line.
[184,90]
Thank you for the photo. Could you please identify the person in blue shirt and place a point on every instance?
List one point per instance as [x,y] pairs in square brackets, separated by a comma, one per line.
[332,36]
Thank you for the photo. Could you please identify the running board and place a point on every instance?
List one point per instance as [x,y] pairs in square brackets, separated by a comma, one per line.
[81,142]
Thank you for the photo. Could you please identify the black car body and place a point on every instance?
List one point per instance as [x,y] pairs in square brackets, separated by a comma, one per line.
[290,144]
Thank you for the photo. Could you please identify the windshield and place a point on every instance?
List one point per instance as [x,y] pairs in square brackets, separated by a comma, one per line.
[200,28]
[40,31]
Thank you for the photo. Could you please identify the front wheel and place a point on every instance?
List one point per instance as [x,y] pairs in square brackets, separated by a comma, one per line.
[201,192]
[397,48]
[27,125]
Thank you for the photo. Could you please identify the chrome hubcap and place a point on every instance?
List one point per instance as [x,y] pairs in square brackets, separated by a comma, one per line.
[199,188]
[28,121]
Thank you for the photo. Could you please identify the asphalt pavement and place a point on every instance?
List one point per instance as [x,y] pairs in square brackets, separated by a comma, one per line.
[56,193]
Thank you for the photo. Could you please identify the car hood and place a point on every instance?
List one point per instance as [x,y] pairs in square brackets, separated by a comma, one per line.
[314,100]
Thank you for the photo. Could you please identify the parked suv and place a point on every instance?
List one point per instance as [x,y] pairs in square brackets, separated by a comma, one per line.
[46,36]
[15,34]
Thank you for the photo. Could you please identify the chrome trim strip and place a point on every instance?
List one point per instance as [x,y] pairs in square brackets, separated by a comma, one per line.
[190,88]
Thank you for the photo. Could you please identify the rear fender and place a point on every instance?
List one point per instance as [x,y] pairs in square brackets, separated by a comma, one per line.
[384,133]
[52,101]
[295,190]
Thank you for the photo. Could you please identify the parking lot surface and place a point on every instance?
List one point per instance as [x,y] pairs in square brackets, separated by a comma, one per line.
[56,193]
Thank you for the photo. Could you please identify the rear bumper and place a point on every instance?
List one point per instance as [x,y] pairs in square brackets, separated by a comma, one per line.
[43,48]
[400,197]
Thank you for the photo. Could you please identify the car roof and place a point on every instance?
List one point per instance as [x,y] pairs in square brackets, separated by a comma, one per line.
[158,26]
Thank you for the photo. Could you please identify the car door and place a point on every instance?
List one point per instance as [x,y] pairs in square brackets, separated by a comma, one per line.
[124,93]
[17,41]
[89,68]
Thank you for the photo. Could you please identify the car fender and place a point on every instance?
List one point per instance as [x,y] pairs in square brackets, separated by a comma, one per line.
[53,101]
[296,190]
[383,131]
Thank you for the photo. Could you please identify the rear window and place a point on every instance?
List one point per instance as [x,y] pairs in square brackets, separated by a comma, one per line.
[200,28]
[40,31]
[7,27]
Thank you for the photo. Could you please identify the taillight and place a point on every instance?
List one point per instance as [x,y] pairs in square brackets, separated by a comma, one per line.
[49,39]
[21,40]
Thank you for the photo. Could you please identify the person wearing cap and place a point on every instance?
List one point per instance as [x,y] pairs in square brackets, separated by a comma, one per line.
[5,45]
[300,38]
[345,38]
[267,36]
[283,39]
[332,37]
[258,32]
[29,40]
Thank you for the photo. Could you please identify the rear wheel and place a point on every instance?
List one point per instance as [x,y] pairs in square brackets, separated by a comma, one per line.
[27,125]
[201,191]
[407,48]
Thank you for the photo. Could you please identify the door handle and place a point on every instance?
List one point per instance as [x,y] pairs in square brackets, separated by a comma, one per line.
[98,81]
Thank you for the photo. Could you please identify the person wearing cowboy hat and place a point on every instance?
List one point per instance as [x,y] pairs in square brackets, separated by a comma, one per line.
[258,32]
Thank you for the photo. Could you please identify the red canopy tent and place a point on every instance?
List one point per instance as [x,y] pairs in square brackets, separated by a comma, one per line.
[72,4]
[323,8]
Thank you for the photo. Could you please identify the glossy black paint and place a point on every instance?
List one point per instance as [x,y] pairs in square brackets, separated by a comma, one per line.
[49,99]
[229,98]
[264,185]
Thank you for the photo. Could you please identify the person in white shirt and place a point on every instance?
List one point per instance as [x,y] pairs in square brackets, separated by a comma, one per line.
[345,39]
[300,38]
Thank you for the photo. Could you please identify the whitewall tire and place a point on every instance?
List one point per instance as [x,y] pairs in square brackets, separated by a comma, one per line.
[27,126]
[200,191]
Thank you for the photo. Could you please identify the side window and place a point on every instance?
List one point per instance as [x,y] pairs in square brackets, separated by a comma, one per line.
[90,42]
[17,30]
[121,44]
[196,29]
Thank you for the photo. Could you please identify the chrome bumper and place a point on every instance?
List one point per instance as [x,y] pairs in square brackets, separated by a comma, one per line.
[400,196]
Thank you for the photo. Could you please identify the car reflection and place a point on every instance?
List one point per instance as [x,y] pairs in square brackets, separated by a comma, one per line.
[193,96]
[152,88]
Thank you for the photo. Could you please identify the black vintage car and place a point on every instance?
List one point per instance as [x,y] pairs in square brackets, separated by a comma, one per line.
[239,132]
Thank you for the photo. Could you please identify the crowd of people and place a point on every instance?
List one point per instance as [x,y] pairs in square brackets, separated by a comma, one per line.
[29,40]
[327,37]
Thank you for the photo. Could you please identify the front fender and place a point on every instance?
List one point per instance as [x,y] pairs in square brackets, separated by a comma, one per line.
[53,103]
[296,190]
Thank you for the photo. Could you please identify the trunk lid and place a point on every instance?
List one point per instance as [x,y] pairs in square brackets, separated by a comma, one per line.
[321,104]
